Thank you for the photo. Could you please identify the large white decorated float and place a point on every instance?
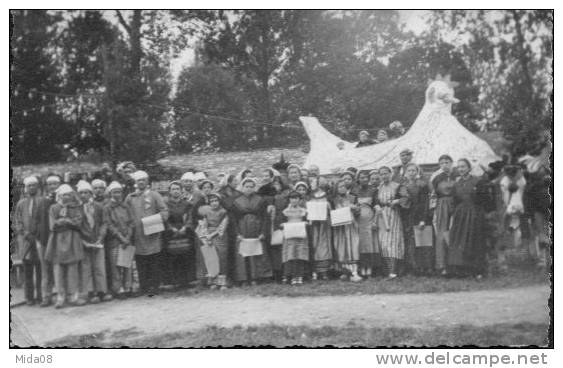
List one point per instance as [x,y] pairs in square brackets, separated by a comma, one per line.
[435,132]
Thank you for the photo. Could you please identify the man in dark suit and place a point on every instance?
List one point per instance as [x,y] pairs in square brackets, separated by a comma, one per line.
[399,171]
[26,226]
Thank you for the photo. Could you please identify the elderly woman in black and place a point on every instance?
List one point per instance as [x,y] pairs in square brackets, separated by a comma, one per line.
[179,254]
[467,250]
[250,212]
[415,213]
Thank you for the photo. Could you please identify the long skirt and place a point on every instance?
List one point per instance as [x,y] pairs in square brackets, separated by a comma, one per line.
[221,246]
[467,250]
[369,243]
[295,249]
[443,211]
[251,268]
[391,239]
[294,268]
[346,244]
[321,246]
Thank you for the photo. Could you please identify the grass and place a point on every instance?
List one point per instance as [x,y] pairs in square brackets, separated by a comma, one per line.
[514,277]
[520,334]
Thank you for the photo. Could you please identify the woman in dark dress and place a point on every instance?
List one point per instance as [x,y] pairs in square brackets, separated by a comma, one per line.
[414,212]
[228,195]
[443,185]
[467,250]
[369,242]
[250,212]
[279,203]
[179,255]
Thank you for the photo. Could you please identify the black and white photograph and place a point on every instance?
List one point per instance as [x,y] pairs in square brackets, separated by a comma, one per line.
[282,178]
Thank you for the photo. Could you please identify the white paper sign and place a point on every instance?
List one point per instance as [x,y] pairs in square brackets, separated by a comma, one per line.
[152,224]
[125,256]
[316,211]
[211,260]
[250,247]
[341,216]
[294,230]
[423,237]
[277,237]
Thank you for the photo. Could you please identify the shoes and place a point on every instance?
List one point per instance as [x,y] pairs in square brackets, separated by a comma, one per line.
[284,280]
[294,281]
[314,277]
[79,302]
[299,281]
[213,287]
[356,278]
[107,298]
[343,277]
[392,276]
[45,303]
[95,300]
[59,304]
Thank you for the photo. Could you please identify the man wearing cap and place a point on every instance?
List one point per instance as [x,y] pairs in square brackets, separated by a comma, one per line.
[93,268]
[399,171]
[364,139]
[146,202]
[124,171]
[26,225]
[47,277]
[190,191]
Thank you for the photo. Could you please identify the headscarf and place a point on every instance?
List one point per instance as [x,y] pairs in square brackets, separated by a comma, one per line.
[348,172]
[30,180]
[63,189]
[206,181]
[301,183]
[139,174]
[83,185]
[113,185]
[188,176]
[53,179]
[97,182]
[175,182]
[214,194]
[200,175]
[246,180]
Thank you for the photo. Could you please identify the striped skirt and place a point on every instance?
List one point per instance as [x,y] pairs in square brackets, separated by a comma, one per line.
[391,239]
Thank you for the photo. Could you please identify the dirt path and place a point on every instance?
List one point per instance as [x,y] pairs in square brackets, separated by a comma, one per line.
[150,316]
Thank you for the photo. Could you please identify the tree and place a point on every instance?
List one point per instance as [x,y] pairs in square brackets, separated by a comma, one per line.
[510,55]
[37,130]
[336,70]
[214,91]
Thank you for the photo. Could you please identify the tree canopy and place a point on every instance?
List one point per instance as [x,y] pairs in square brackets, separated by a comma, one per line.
[101,84]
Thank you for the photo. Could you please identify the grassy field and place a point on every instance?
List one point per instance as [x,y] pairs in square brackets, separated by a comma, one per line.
[515,277]
[521,334]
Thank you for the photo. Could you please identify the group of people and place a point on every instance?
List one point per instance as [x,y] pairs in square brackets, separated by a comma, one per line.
[96,241]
